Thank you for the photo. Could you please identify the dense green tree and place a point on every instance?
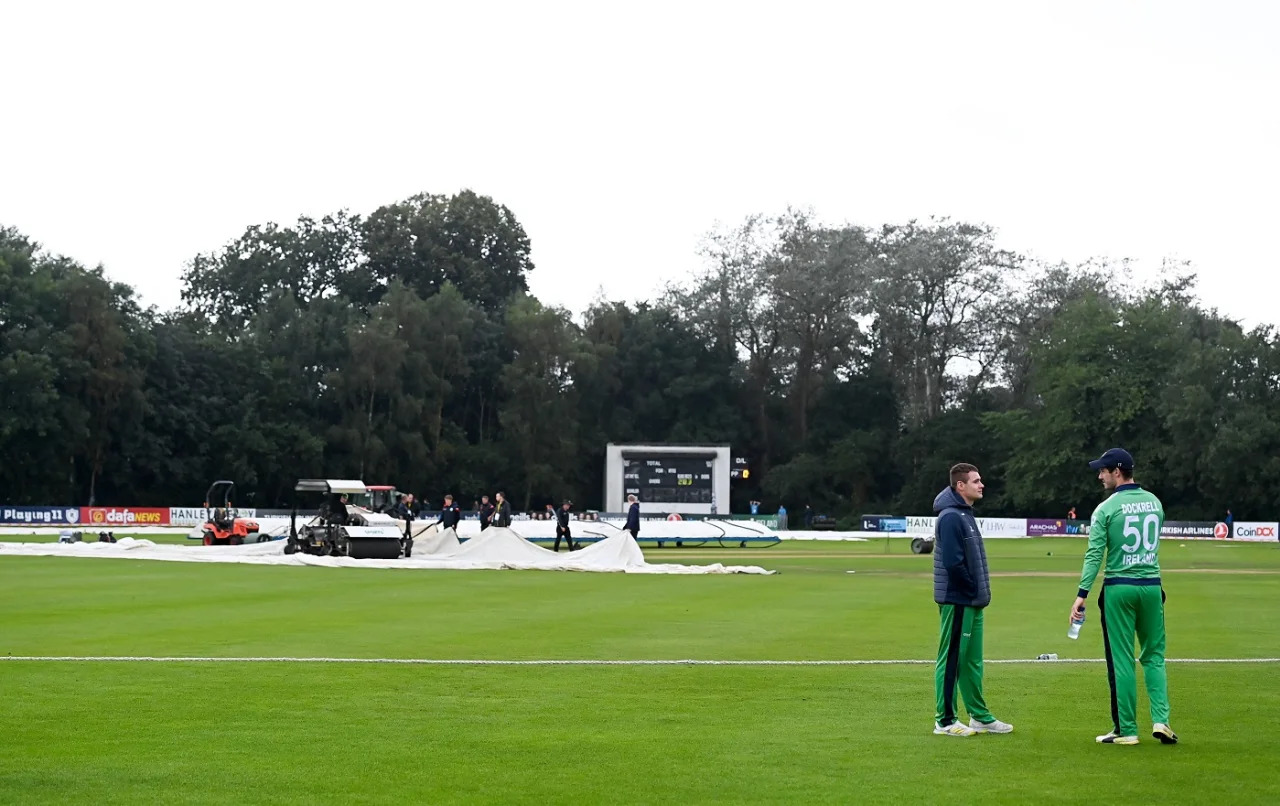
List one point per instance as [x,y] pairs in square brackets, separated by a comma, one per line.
[466,239]
[851,367]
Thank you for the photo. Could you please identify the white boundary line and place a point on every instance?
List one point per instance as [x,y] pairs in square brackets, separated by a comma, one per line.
[581,662]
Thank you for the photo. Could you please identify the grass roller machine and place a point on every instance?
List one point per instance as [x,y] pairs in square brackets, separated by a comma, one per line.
[342,529]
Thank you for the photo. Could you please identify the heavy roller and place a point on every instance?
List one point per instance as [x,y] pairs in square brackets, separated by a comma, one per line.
[343,529]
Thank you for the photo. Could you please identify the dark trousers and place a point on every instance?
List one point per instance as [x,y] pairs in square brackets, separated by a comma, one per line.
[635,533]
[563,531]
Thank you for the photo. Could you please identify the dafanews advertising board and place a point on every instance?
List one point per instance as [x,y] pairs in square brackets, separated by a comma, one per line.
[120,517]
[42,516]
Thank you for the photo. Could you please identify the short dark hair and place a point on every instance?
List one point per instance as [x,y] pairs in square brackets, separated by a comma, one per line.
[961,473]
[1126,473]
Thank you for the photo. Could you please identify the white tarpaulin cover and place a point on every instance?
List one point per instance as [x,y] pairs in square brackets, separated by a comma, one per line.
[493,549]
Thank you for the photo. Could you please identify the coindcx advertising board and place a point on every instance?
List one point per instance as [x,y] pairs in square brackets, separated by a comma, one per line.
[1255,532]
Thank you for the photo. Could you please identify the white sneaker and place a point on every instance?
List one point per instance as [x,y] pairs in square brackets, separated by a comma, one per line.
[1115,738]
[994,726]
[1164,733]
[954,729]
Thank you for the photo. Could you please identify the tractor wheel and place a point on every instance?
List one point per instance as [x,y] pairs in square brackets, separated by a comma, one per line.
[236,540]
[208,538]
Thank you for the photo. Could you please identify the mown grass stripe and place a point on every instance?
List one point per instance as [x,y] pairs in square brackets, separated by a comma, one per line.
[570,662]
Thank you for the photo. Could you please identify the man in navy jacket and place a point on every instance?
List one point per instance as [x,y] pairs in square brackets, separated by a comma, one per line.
[962,589]
[450,514]
[633,517]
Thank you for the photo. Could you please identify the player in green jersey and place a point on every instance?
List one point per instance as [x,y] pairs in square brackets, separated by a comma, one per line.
[1126,528]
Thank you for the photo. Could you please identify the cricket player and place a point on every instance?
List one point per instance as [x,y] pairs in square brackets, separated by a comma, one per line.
[962,589]
[1126,528]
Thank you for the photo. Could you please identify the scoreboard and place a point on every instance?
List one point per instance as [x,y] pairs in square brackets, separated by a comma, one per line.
[668,478]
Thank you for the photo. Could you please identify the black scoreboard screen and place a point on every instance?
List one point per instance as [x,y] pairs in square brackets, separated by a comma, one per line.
[667,478]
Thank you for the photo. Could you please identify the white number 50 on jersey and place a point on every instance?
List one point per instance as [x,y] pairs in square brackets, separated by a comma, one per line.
[1148,538]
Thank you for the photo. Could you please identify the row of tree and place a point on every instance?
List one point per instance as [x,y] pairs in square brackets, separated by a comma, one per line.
[851,365]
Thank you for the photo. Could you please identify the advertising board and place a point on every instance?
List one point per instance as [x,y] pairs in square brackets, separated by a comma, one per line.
[1255,532]
[42,516]
[1003,527]
[120,517]
[1202,530]
[921,524]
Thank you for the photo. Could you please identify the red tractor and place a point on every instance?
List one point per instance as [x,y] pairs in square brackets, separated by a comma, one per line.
[223,526]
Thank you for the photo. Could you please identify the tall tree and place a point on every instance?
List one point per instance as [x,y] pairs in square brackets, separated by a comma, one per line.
[933,294]
[308,261]
[538,413]
[466,239]
[731,305]
[818,278]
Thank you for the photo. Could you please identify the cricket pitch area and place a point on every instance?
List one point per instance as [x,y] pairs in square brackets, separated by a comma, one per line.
[128,681]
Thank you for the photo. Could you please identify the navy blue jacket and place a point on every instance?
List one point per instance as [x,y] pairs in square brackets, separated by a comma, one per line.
[633,518]
[449,516]
[960,575]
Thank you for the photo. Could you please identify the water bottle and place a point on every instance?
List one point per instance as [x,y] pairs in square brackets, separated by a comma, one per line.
[1073,632]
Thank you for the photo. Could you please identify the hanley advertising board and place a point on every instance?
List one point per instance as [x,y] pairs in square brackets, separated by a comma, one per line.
[197,516]
[990,527]
[39,515]
[124,516]
[1002,527]
[1255,532]
[922,524]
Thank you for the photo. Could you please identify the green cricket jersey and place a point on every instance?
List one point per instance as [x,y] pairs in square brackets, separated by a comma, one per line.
[1126,527]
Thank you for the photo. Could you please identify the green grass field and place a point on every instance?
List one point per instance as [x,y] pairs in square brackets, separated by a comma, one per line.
[275,732]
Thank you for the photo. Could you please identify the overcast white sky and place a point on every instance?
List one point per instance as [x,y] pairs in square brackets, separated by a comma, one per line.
[138,135]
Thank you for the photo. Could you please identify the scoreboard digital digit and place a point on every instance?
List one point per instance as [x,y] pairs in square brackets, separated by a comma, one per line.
[669,479]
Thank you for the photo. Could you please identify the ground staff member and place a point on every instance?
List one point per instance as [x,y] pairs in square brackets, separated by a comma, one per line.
[961,588]
[450,514]
[562,526]
[1126,528]
[633,517]
[502,513]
